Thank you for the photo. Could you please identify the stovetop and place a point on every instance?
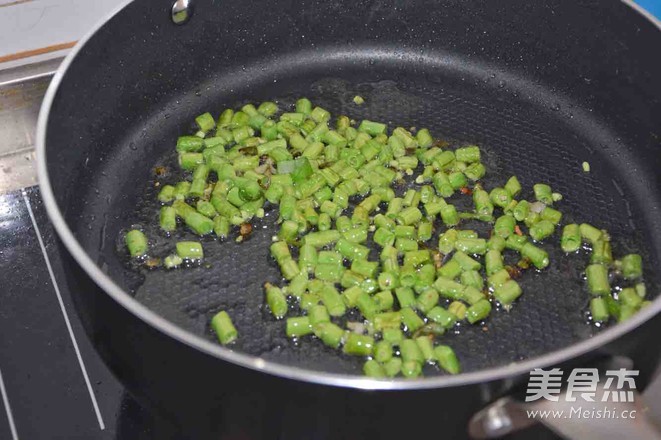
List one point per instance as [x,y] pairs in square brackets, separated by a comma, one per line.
[54,386]
[52,383]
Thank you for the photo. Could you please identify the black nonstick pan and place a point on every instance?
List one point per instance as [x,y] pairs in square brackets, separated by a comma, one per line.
[540,86]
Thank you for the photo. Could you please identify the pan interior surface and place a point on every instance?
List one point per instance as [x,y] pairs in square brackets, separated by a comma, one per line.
[524,129]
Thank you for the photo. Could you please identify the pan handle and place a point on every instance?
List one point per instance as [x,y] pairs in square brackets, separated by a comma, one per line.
[624,419]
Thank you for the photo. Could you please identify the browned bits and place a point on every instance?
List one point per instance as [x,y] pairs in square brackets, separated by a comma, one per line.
[438,259]
[514,271]
[245,230]
[152,263]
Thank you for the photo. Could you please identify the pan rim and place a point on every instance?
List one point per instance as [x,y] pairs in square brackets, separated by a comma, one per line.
[197,342]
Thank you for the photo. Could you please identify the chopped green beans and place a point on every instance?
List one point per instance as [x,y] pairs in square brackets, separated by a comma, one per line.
[276,300]
[597,277]
[136,242]
[632,266]
[191,250]
[447,359]
[571,238]
[357,206]
[225,330]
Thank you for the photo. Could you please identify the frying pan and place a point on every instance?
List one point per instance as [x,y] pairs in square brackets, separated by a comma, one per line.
[541,86]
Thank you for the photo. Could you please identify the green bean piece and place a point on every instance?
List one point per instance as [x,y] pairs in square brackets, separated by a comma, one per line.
[541,230]
[410,351]
[471,295]
[478,311]
[206,208]
[405,297]
[384,300]
[321,239]
[330,334]
[442,316]
[358,345]
[351,251]
[447,359]
[599,309]
[476,246]
[298,326]
[482,202]
[536,255]
[221,323]
[493,261]
[513,186]
[166,194]
[475,171]
[504,226]
[276,300]
[424,138]
[189,144]
[597,277]
[329,272]
[409,216]
[521,210]
[496,243]
[197,222]
[632,266]
[425,231]
[590,233]
[468,154]
[298,285]
[465,261]
[626,312]
[191,250]
[280,251]
[427,300]
[498,279]
[571,238]
[410,319]
[448,288]
[333,301]
[172,261]
[167,219]
[446,241]
[508,292]
[552,215]
[472,278]
[601,252]
[136,242]
[458,309]
[516,242]
[442,184]
[411,369]
[367,305]
[190,161]
[372,368]
[629,297]
[543,193]
[450,270]
[457,180]
[500,197]
[387,320]
[383,351]
[449,215]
